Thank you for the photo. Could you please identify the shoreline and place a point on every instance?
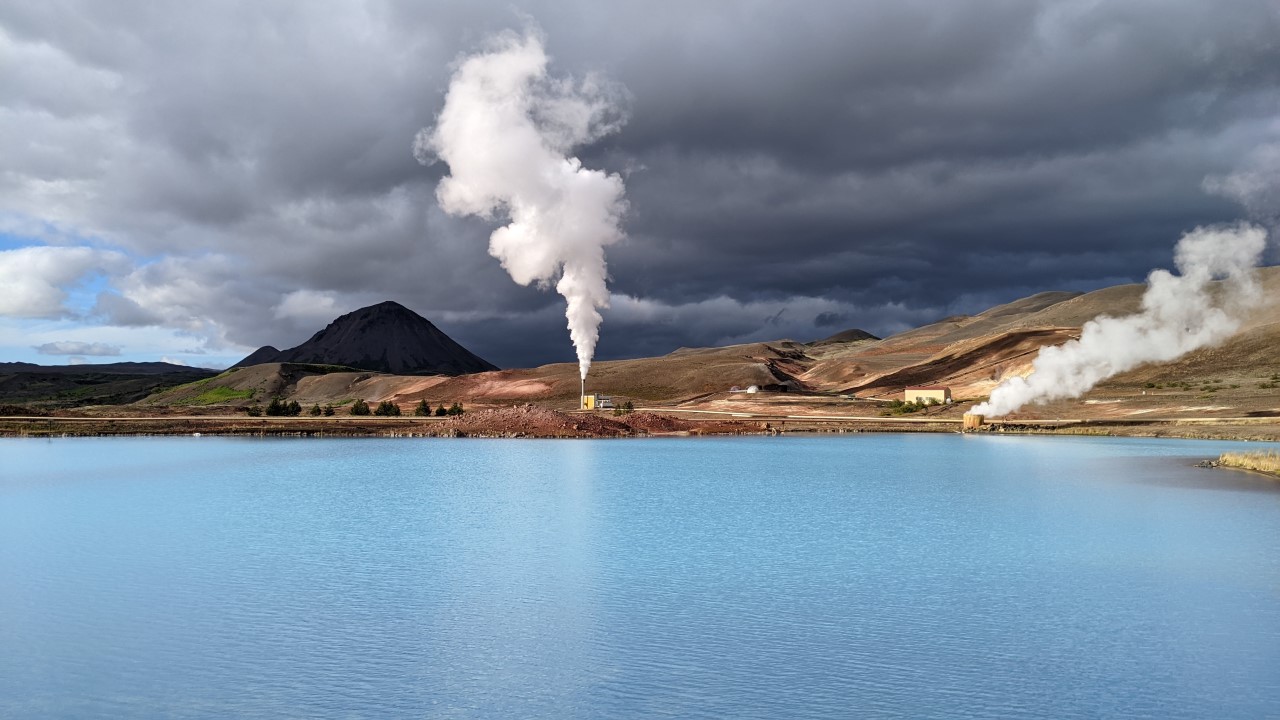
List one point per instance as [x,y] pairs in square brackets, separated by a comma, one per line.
[594,426]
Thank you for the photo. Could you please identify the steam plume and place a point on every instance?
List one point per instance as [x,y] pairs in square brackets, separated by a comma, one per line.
[1179,314]
[507,131]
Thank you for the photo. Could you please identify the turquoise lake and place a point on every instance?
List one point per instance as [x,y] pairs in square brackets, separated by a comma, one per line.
[915,576]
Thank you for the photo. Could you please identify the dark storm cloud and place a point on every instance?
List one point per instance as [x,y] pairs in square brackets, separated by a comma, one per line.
[791,168]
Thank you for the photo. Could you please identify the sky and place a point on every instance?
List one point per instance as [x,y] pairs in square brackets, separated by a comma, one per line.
[189,181]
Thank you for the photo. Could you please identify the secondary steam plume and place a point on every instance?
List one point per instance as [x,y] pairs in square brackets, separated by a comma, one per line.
[507,132]
[1179,314]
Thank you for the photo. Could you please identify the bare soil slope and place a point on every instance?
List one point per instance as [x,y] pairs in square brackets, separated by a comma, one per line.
[970,354]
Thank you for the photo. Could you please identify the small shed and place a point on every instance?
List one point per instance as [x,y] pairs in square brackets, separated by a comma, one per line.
[597,401]
[924,393]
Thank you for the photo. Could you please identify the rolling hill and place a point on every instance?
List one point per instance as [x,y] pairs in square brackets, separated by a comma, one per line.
[850,372]
[66,386]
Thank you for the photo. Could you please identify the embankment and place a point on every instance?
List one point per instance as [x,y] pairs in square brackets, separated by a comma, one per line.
[1263,462]
[541,422]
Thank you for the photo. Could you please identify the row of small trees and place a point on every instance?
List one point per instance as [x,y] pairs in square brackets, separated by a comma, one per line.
[385,409]
[280,408]
[390,409]
[423,409]
[277,408]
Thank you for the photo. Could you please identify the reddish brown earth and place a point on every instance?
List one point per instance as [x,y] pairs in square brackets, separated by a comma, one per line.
[843,382]
[518,421]
[531,420]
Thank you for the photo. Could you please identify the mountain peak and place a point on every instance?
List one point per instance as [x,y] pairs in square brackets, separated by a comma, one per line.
[850,335]
[386,306]
[386,337]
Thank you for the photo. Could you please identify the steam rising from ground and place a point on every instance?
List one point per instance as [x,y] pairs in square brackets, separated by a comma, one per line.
[1180,313]
[506,131]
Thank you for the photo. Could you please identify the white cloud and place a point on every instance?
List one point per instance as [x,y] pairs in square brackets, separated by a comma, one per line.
[36,279]
[71,347]
[832,159]
[1254,185]
[310,307]
[189,295]
[20,338]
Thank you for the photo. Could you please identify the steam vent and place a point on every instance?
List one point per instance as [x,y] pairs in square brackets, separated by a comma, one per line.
[973,422]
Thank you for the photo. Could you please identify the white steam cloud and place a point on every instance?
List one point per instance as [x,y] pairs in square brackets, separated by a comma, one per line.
[1180,313]
[507,132]
[1254,185]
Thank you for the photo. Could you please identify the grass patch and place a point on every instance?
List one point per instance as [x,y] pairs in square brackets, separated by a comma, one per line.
[217,395]
[206,381]
[322,369]
[1267,462]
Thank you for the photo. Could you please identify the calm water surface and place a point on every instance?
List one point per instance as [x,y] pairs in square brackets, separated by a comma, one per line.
[806,577]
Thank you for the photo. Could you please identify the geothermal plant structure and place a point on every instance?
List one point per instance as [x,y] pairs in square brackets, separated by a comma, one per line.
[972,422]
[594,401]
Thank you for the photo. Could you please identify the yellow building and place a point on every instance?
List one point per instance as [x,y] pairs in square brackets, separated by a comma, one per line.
[925,393]
[596,401]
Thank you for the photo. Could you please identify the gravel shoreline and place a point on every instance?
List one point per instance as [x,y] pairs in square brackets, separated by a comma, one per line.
[532,421]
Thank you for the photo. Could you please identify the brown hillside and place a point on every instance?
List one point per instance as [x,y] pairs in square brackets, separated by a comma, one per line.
[970,354]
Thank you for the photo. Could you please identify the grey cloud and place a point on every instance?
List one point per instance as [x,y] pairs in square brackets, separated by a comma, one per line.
[78,348]
[882,163]
[831,319]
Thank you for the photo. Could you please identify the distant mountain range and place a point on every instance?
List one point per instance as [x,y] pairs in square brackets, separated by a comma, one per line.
[56,386]
[382,352]
[387,337]
[116,368]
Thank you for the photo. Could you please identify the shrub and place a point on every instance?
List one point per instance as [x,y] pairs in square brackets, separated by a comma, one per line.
[442,410]
[315,410]
[386,408]
[254,411]
[277,407]
[293,409]
[897,407]
[1151,385]
[1265,461]
[328,411]
[422,409]
[360,407]
[455,409]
